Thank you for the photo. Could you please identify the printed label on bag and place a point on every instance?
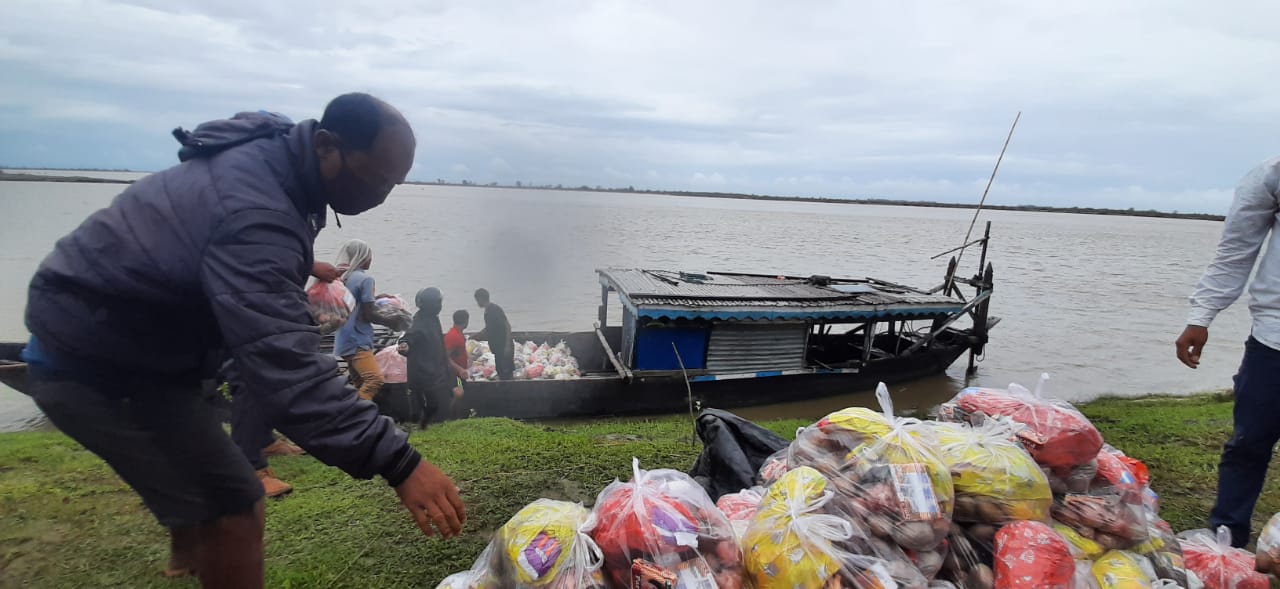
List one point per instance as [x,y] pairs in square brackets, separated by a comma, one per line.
[915,492]
[695,574]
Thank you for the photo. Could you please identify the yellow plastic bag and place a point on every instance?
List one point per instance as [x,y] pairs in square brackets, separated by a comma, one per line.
[1090,549]
[793,542]
[996,481]
[546,544]
[1120,570]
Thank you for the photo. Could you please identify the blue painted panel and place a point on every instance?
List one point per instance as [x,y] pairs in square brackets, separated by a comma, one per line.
[653,347]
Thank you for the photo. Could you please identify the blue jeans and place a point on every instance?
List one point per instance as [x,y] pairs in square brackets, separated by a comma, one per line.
[1247,454]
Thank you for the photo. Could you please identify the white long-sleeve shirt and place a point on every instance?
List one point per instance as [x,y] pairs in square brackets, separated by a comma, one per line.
[1254,213]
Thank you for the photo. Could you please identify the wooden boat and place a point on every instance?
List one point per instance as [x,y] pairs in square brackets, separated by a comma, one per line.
[725,340]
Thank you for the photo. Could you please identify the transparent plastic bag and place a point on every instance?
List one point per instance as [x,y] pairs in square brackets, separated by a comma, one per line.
[1164,552]
[827,444]
[995,480]
[964,564]
[1218,565]
[394,367]
[545,545]
[662,525]
[896,484]
[330,304]
[773,467]
[1057,435]
[1110,511]
[796,541]
[1268,552]
[741,508]
[1030,555]
[473,578]
[393,309]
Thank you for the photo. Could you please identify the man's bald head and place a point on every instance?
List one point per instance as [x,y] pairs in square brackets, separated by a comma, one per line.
[366,148]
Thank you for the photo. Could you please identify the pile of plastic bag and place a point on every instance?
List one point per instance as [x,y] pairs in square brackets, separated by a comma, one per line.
[532,361]
[1005,490]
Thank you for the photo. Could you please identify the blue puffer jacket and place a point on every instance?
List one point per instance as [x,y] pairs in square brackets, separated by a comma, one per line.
[212,255]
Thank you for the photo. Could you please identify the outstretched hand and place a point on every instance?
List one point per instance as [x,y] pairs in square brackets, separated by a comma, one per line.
[432,498]
[1191,343]
[324,272]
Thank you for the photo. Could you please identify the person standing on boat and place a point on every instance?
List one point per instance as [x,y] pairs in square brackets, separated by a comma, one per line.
[1253,216]
[354,340]
[131,310]
[455,343]
[497,331]
[432,379]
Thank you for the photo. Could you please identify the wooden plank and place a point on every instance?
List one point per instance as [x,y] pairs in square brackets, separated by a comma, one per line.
[623,371]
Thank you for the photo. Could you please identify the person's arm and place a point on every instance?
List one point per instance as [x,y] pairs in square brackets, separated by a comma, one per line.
[459,370]
[325,272]
[369,309]
[1248,222]
[251,272]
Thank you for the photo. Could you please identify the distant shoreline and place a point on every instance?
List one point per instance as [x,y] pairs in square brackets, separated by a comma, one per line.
[24,177]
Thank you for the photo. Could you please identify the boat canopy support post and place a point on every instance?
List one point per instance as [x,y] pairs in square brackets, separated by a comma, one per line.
[869,339]
[955,317]
[623,371]
[980,317]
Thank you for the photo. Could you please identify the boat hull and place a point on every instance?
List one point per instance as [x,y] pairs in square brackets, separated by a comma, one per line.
[597,395]
[613,396]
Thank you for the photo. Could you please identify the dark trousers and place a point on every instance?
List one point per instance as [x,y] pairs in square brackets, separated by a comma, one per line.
[1248,452]
[248,430]
[504,360]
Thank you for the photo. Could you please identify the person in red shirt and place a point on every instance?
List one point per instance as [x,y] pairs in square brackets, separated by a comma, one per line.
[455,344]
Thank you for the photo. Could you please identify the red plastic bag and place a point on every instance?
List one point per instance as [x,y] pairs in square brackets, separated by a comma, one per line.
[1030,555]
[1057,435]
[1219,565]
[330,304]
[663,521]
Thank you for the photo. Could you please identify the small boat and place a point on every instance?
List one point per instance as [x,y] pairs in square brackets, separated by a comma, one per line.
[689,340]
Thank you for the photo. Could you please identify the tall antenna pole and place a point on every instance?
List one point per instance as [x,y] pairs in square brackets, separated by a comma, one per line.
[990,181]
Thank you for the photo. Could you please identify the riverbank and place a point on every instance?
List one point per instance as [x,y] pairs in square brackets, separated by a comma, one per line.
[67,521]
[24,177]
[19,176]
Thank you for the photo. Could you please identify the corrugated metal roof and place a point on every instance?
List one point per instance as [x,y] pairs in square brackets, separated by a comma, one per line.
[667,294]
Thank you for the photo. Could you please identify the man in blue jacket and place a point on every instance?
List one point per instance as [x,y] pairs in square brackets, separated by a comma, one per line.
[132,310]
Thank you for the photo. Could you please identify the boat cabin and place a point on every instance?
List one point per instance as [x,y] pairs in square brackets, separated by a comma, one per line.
[722,325]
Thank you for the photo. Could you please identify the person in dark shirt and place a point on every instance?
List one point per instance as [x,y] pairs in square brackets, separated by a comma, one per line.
[497,331]
[217,249]
[432,378]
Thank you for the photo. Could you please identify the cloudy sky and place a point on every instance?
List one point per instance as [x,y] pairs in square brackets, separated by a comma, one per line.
[1145,103]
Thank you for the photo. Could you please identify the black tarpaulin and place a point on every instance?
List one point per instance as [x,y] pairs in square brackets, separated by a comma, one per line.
[733,449]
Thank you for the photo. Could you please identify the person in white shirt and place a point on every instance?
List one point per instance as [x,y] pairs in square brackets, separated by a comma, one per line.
[1243,468]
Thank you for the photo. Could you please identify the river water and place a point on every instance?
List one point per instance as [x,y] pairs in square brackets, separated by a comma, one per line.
[1095,301]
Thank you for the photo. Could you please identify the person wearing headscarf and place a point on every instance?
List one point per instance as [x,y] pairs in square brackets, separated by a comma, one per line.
[354,340]
[432,379]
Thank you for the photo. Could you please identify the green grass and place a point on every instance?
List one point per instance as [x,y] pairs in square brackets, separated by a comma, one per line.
[67,521]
